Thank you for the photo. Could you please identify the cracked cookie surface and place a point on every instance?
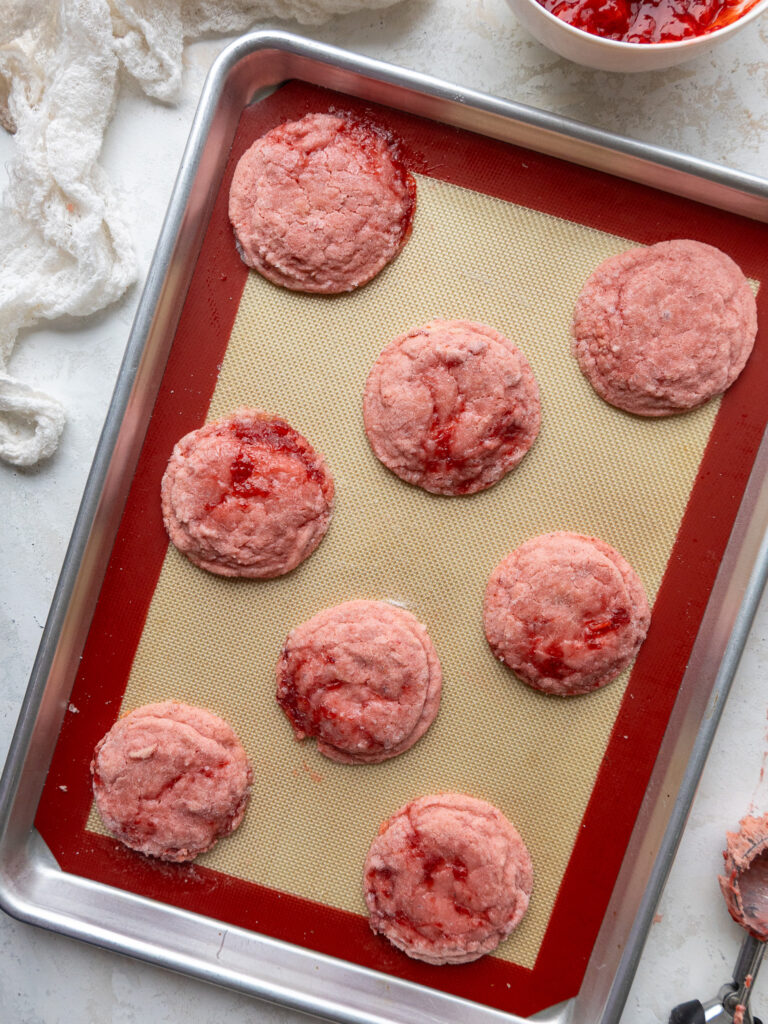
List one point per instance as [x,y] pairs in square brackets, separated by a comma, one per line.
[451,406]
[170,779]
[321,204]
[567,613]
[246,495]
[663,328]
[363,678]
[447,878]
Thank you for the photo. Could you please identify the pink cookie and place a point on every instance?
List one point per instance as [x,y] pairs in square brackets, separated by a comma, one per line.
[745,882]
[451,406]
[363,678]
[170,779]
[565,612]
[661,329]
[246,495]
[321,204]
[447,878]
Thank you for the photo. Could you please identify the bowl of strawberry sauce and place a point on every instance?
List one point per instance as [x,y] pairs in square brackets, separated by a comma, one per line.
[634,35]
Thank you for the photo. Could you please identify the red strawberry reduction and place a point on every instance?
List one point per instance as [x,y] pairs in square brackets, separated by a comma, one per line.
[646,21]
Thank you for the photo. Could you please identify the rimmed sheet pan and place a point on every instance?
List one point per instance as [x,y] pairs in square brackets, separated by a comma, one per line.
[351,992]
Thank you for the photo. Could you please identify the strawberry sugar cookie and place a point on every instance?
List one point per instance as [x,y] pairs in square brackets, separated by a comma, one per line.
[246,495]
[363,678]
[170,779]
[447,878]
[321,204]
[451,406]
[661,329]
[567,613]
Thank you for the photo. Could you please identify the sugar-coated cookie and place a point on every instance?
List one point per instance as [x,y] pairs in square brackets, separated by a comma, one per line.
[321,204]
[661,329]
[451,406]
[565,612]
[363,678]
[246,495]
[447,878]
[170,779]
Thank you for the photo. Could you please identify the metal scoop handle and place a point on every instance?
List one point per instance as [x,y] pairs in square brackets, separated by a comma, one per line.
[747,966]
[722,1008]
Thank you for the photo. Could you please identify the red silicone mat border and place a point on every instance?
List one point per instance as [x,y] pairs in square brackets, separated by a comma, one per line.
[530,179]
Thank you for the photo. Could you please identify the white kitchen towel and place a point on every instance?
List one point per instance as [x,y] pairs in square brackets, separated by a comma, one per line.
[65,243]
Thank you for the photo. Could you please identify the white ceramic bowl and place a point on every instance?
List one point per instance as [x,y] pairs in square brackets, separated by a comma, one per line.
[610,55]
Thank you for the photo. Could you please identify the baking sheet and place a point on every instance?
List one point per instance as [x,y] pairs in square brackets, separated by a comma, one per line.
[215,642]
[593,469]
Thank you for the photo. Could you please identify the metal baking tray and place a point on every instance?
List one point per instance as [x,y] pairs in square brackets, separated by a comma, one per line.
[34,888]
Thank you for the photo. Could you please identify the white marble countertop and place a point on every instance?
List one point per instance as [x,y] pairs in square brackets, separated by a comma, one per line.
[715,108]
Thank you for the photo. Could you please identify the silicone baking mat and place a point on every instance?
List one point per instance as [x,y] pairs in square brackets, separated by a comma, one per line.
[504,236]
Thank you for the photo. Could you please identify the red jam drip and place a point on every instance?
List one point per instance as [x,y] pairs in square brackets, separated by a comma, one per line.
[305,714]
[548,658]
[647,21]
[243,486]
[441,431]
[441,435]
[549,661]
[596,629]
[434,863]
[379,882]
[277,436]
[205,772]
[369,137]
[296,705]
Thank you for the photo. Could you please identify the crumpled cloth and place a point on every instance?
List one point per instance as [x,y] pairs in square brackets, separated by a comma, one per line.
[65,242]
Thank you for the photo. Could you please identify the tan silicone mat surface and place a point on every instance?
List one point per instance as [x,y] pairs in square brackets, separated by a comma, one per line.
[593,469]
